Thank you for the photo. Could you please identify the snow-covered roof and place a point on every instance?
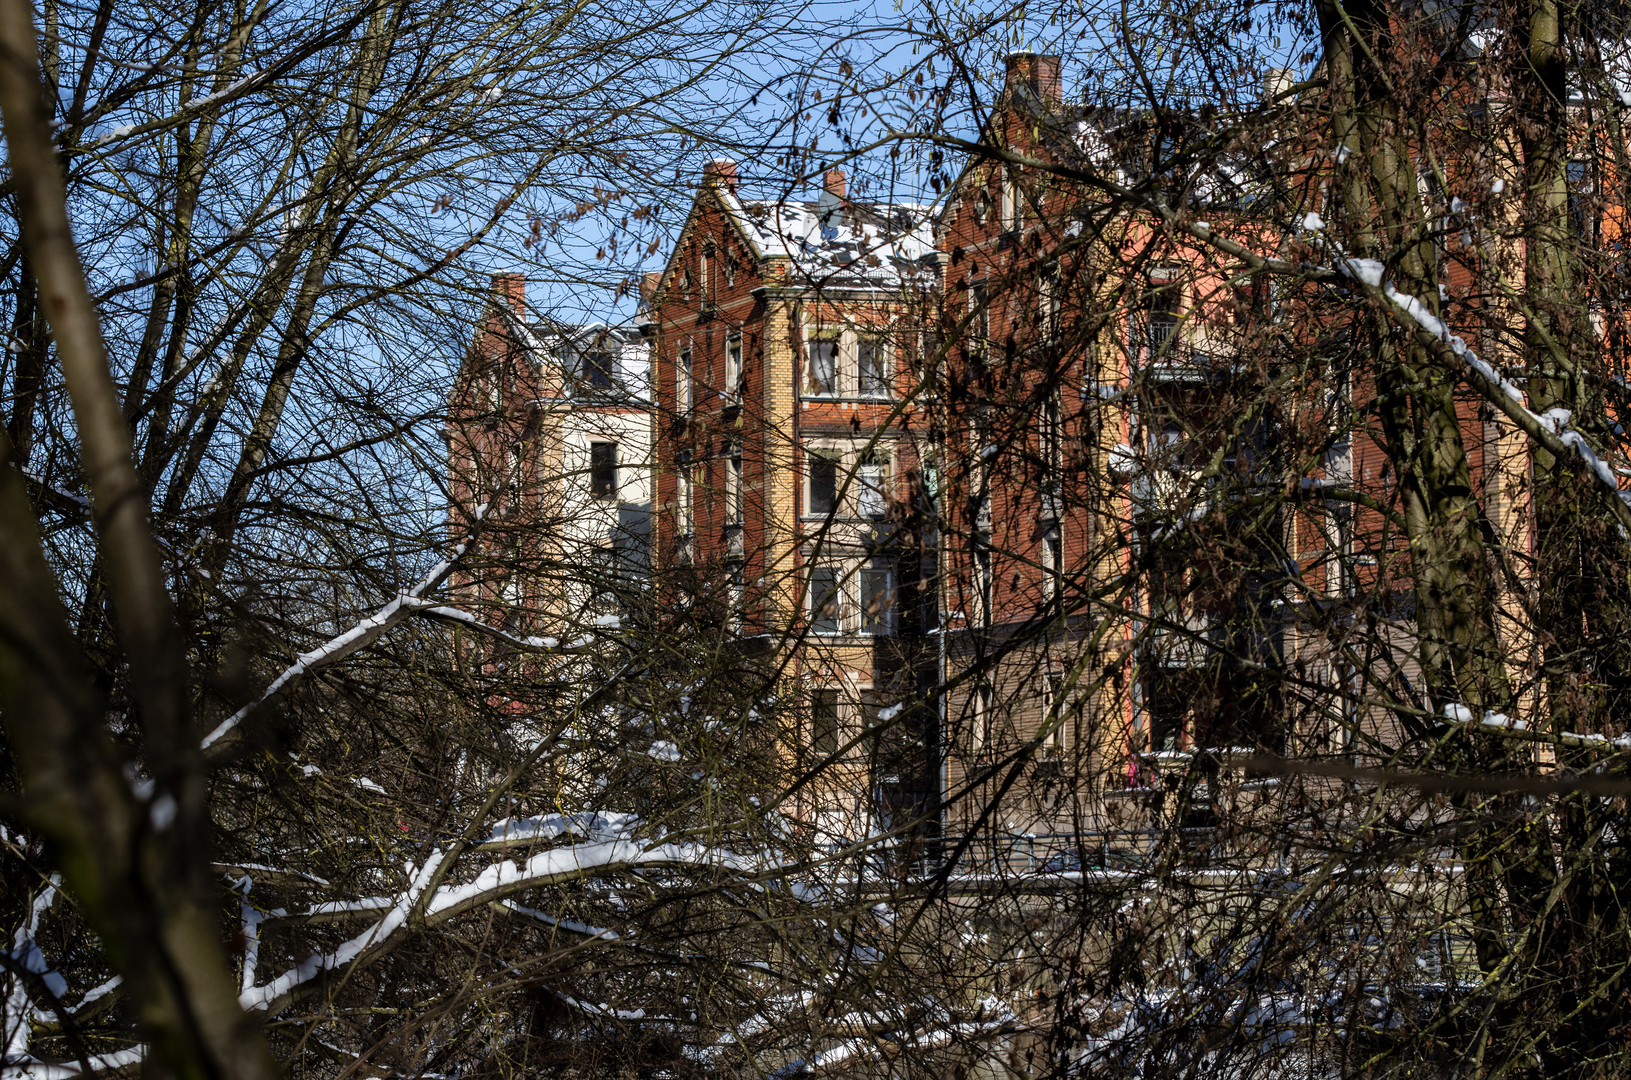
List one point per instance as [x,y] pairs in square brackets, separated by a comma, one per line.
[834,241]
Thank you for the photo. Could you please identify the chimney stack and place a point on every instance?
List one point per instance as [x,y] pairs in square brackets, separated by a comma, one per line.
[511,289]
[1038,72]
[721,171]
[835,184]
[1276,81]
[648,284]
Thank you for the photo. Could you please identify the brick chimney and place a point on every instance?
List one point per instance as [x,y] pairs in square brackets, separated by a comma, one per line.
[510,289]
[648,284]
[721,171]
[1038,72]
[835,184]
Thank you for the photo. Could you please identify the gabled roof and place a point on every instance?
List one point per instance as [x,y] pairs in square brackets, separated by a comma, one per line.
[838,241]
[831,242]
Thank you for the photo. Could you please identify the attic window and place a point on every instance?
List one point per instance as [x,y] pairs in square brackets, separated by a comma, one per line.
[598,368]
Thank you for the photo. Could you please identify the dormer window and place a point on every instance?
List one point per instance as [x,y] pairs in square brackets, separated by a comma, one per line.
[599,370]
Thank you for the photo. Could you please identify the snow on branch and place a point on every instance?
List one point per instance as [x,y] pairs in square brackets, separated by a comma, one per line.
[1551,430]
[359,636]
[496,882]
[1496,723]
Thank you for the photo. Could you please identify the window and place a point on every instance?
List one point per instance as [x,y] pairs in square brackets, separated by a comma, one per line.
[1582,209]
[982,577]
[979,320]
[603,469]
[1053,560]
[1163,313]
[1053,706]
[1050,297]
[872,367]
[877,598]
[826,601]
[735,597]
[1013,211]
[683,518]
[733,370]
[733,487]
[682,382]
[1051,436]
[727,265]
[823,483]
[979,703]
[513,476]
[599,370]
[872,475]
[823,366]
[824,721]
[982,207]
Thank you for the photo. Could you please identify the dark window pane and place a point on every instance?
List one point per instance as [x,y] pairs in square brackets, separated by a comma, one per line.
[825,614]
[823,484]
[824,721]
[877,600]
[603,469]
[598,369]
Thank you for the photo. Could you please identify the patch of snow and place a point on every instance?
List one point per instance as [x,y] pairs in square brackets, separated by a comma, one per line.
[664,751]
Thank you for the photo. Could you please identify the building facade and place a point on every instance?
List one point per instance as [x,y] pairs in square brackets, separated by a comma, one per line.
[550,426]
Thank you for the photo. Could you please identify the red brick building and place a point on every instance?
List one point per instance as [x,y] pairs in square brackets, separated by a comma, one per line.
[793,462]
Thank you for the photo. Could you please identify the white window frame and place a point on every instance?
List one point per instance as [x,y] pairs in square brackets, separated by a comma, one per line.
[1013,205]
[884,355]
[825,451]
[851,620]
[814,600]
[846,382]
[850,484]
[683,376]
[835,388]
[1052,559]
[874,469]
[1050,299]
[684,502]
[733,369]
[984,578]
[735,509]
[1053,695]
[883,624]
